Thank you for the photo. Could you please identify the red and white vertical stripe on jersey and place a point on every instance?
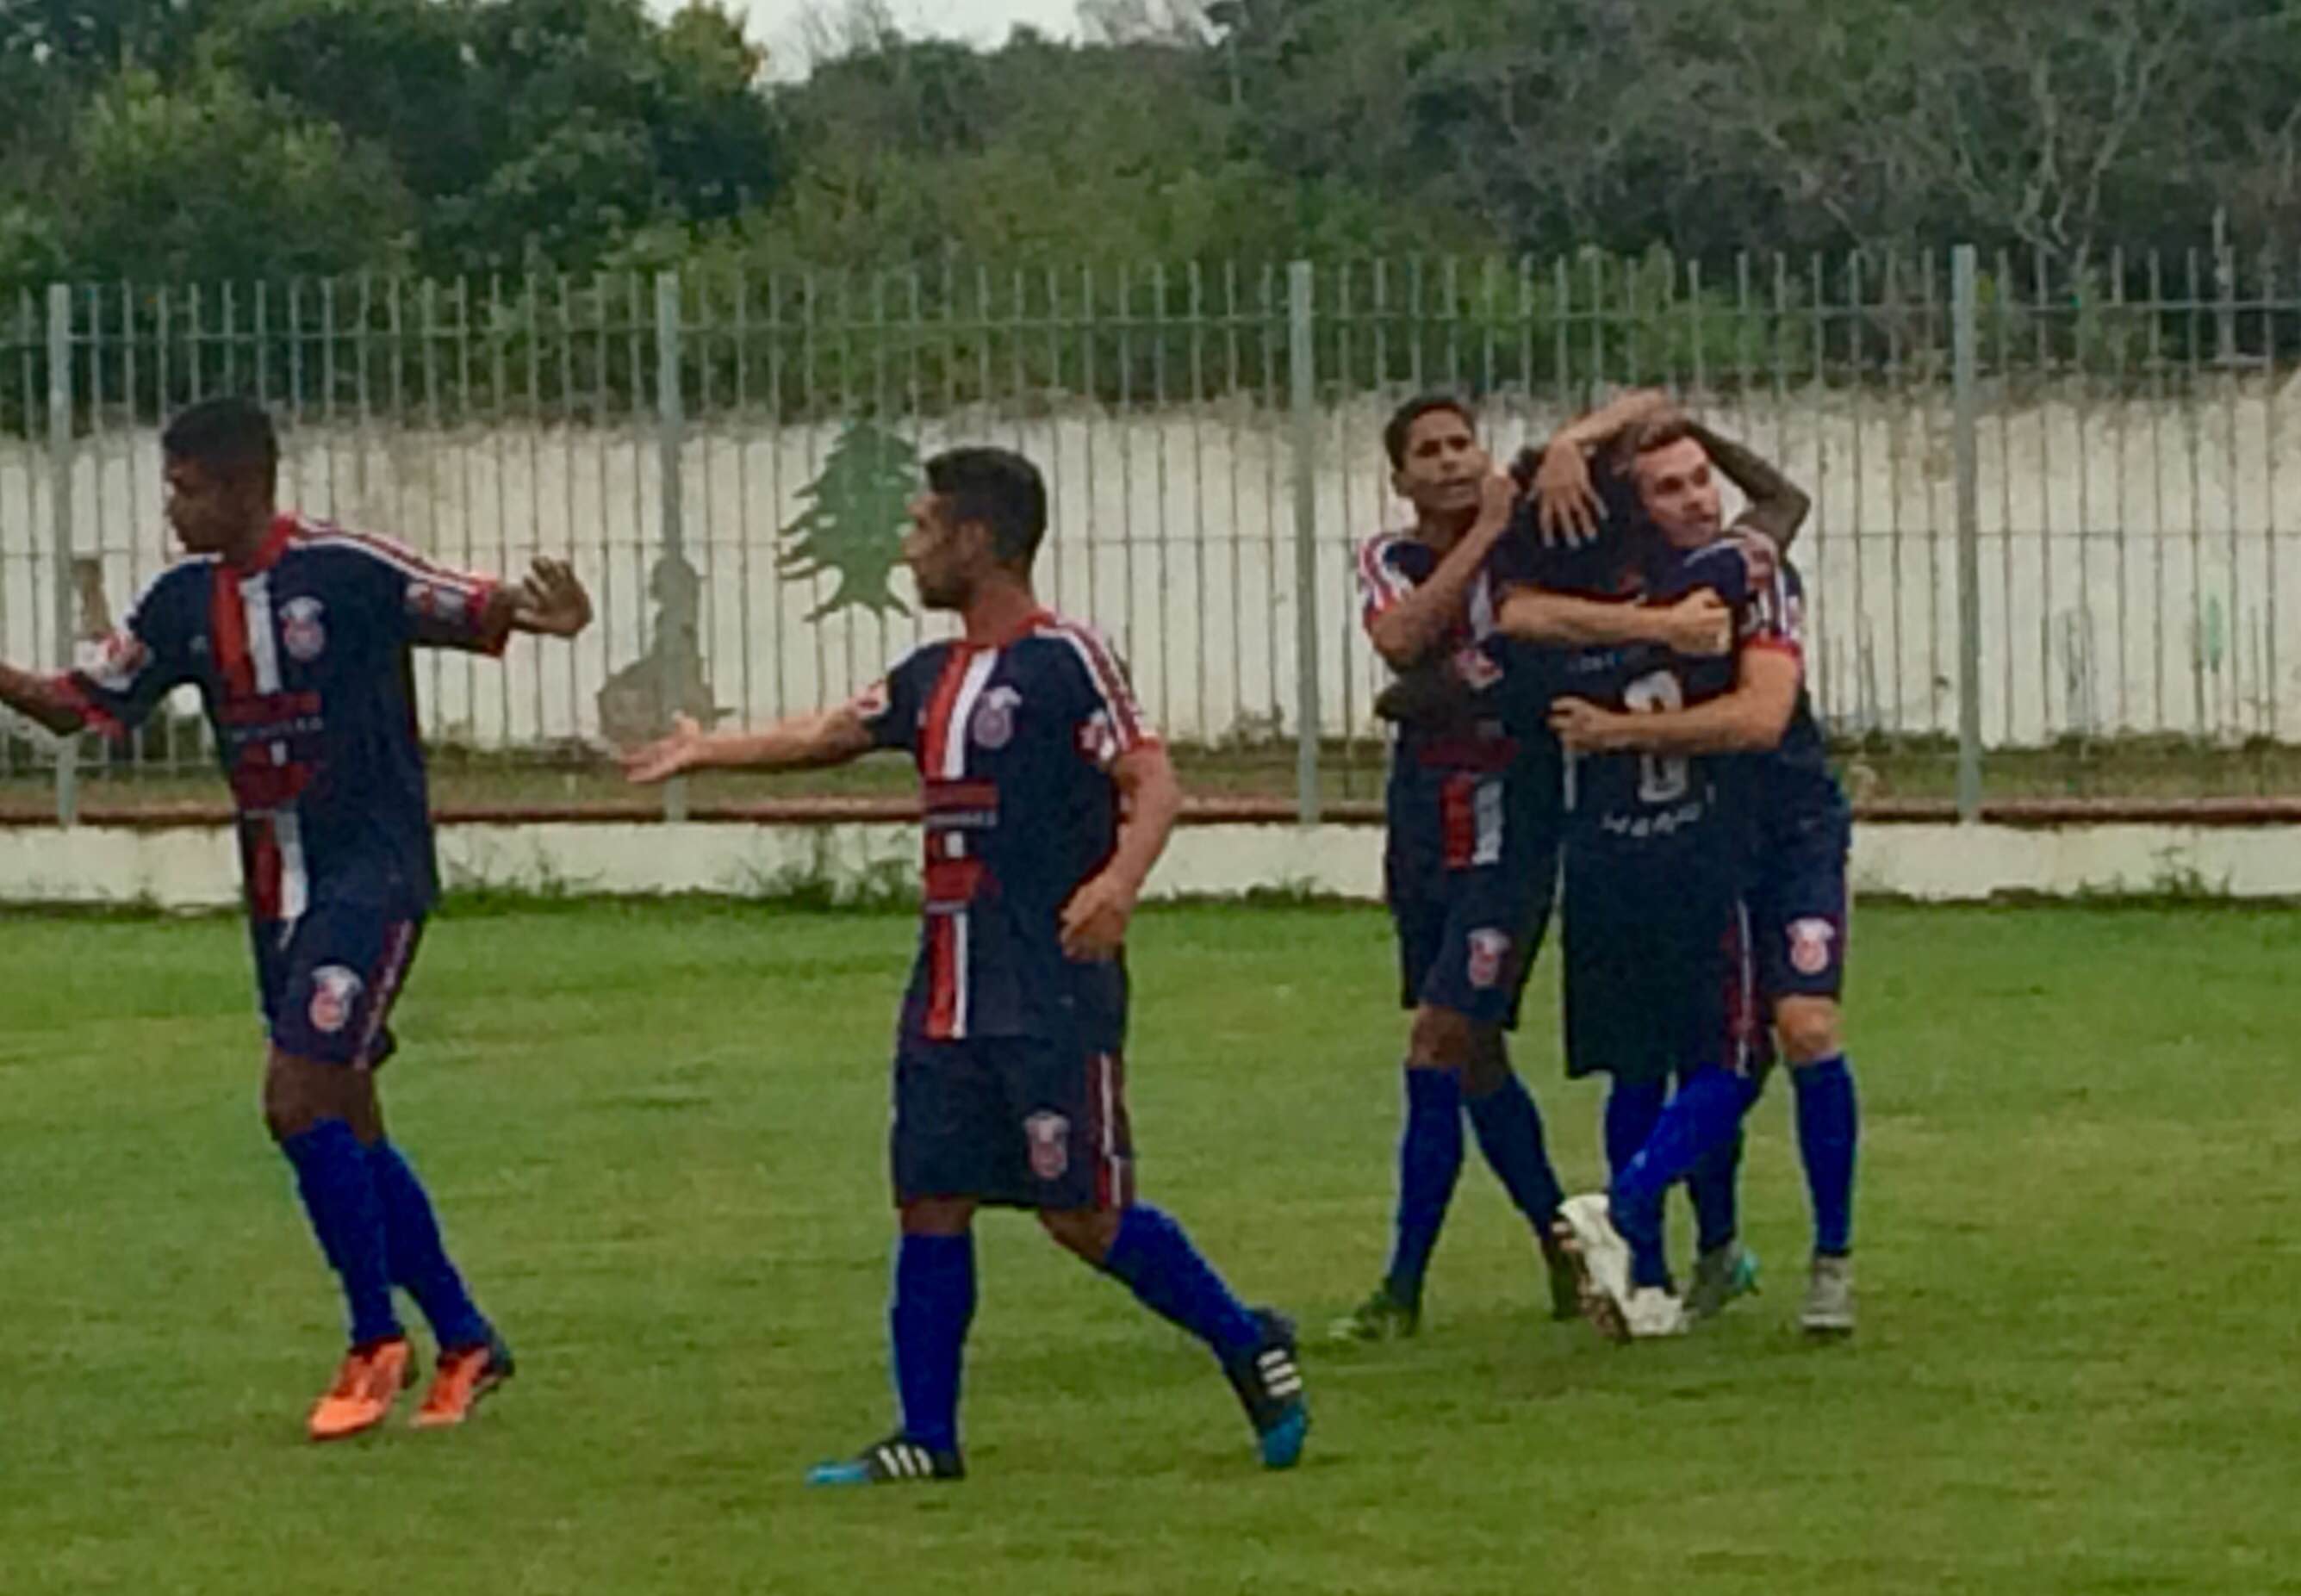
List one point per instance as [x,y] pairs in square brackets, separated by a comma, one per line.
[1114,1170]
[1744,1037]
[942,758]
[247,655]
[383,984]
[1380,585]
[1470,820]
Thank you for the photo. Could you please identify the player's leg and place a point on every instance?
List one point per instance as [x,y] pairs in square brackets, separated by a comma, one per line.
[1802,948]
[318,1111]
[321,1108]
[1430,1141]
[1723,1267]
[1510,1132]
[945,1155]
[1079,1146]
[1714,978]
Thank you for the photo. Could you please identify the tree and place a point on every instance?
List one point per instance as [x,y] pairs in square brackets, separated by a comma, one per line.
[857,509]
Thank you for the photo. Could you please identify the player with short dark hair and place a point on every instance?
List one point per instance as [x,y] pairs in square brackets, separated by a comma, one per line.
[1469,856]
[1798,901]
[296,635]
[1047,801]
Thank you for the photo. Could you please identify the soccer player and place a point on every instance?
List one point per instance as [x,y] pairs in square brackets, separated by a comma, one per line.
[1470,851]
[1798,902]
[1659,979]
[1047,800]
[297,636]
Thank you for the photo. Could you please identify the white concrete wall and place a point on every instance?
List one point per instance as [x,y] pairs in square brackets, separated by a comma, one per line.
[2137,568]
[196,867]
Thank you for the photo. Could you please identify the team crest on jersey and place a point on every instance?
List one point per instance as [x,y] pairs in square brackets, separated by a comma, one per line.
[437,600]
[1049,1136]
[117,661]
[300,631]
[1489,949]
[335,990]
[993,726]
[1810,942]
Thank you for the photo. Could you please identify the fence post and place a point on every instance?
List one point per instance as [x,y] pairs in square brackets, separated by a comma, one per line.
[677,584]
[59,501]
[1302,287]
[1965,316]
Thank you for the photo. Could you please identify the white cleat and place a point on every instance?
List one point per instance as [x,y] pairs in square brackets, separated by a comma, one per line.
[1652,1313]
[1829,1299]
[1603,1260]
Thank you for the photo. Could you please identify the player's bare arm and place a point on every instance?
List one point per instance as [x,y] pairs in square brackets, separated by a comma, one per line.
[1095,919]
[1777,507]
[1749,719]
[1567,508]
[1700,624]
[45,700]
[1403,633]
[799,742]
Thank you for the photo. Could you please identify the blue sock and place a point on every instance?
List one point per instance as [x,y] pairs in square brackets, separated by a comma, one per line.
[1168,1276]
[1429,1163]
[417,1257]
[1828,1128]
[1715,1187]
[928,1320]
[1704,1116]
[1508,1128]
[1632,1106]
[331,1177]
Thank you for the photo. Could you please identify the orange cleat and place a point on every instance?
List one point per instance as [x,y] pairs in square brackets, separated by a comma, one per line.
[367,1384]
[463,1377]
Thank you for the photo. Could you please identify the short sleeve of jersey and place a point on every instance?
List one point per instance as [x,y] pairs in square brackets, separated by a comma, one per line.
[121,681]
[1108,723]
[890,707]
[1775,615]
[418,601]
[1386,573]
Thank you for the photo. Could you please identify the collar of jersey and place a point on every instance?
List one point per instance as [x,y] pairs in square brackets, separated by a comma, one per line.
[274,545]
[1023,629]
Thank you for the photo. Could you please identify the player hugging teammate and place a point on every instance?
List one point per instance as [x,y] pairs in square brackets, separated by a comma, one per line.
[1700,838]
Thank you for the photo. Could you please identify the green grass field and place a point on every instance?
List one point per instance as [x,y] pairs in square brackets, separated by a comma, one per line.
[656,1135]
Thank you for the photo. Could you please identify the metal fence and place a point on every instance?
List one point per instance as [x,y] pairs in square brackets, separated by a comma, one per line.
[2047,546]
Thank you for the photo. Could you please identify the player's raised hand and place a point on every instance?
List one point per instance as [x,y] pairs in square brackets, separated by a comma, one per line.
[667,757]
[1583,727]
[1567,508]
[551,600]
[1094,920]
[1699,624]
[1497,498]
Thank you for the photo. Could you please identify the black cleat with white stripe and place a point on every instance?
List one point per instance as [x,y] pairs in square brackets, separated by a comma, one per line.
[898,1460]
[1268,1381]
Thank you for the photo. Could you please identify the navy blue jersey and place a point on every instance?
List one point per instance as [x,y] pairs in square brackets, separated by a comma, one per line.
[1790,786]
[1506,735]
[301,662]
[1667,812]
[1015,745]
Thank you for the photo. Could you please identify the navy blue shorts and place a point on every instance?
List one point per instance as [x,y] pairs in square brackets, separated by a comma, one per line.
[1798,910]
[1659,979]
[1013,1122]
[1471,871]
[327,980]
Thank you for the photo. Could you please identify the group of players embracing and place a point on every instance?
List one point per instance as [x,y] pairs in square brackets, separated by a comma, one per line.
[1601,683]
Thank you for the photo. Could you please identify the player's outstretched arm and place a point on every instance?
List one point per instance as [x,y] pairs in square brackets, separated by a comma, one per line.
[1777,506]
[46,701]
[1749,719]
[1409,627]
[1700,624]
[1095,919]
[800,742]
